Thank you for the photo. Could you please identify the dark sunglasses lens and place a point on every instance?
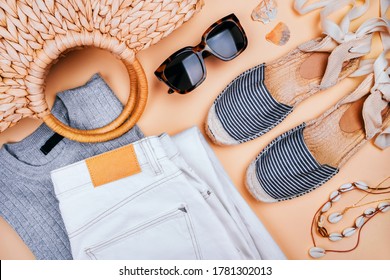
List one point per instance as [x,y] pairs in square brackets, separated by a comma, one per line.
[184,71]
[226,40]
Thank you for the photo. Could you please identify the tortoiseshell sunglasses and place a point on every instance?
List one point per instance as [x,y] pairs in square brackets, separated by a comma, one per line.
[184,70]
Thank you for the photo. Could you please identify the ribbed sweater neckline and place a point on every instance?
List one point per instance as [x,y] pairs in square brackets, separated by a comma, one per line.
[10,154]
[13,155]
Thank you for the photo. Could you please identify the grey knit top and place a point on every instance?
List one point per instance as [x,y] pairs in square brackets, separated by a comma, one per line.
[27,199]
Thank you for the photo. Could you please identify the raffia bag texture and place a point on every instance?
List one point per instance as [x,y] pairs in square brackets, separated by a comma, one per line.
[35,33]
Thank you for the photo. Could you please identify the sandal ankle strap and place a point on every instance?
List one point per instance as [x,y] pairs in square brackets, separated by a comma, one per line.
[343,44]
[377,86]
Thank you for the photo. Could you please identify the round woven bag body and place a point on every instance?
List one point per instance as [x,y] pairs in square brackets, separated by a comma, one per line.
[34,33]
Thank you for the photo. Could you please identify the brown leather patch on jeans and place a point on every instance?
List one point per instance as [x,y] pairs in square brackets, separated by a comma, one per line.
[113,165]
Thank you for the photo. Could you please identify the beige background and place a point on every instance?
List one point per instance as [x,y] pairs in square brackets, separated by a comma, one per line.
[288,222]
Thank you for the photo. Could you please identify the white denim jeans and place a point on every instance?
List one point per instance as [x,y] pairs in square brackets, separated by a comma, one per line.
[182,205]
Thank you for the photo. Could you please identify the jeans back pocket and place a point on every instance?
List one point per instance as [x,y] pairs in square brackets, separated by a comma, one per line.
[167,236]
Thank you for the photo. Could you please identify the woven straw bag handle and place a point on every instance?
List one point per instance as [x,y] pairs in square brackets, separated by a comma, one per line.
[124,122]
[33,35]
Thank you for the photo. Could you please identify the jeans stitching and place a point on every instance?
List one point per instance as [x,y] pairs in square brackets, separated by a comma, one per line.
[72,189]
[192,239]
[174,156]
[191,230]
[151,157]
[147,225]
[123,203]
[141,144]
[154,158]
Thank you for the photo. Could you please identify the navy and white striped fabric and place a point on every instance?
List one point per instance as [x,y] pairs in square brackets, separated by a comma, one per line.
[286,169]
[246,109]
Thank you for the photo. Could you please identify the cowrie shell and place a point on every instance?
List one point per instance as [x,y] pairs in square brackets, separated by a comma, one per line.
[316,252]
[349,231]
[335,196]
[335,218]
[335,236]
[361,185]
[326,207]
[384,207]
[346,187]
[359,221]
[321,221]
[369,212]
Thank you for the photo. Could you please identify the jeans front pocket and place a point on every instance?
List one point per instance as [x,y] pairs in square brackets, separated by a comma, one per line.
[167,236]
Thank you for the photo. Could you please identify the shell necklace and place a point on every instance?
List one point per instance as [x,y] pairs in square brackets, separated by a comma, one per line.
[382,207]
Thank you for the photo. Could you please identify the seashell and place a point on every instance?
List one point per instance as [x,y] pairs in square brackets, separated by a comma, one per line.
[384,207]
[265,11]
[361,185]
[335,218]
[326,207]
[323,231]
[316,252]
[335,236]
[349,231]
[346,187]
[359,221]
[335,196]
[369,212]
[321,220]
[279,35]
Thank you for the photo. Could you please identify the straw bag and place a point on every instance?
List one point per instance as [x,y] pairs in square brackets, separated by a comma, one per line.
[34,33]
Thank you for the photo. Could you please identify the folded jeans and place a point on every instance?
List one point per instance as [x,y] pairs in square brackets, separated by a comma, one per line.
[164,212]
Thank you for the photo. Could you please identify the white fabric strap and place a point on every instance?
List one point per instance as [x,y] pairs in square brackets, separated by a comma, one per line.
[340,33]
[343,53]
[368,27]
[345,45]
[337,31]
[377,85]
[367,66]
[384,6]
[299,5]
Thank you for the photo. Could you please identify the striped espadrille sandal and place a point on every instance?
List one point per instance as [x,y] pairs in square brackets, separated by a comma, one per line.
[307,156]
[262,97]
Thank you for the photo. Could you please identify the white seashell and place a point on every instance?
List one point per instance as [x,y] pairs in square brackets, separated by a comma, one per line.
[335,236]
[349,231]
[346,187]
[326,207]
[369,212]
[321,220]
[335,218]
[265,11]
[384,206]
[361,185]
[316,252]
[335,196]
[359,221]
